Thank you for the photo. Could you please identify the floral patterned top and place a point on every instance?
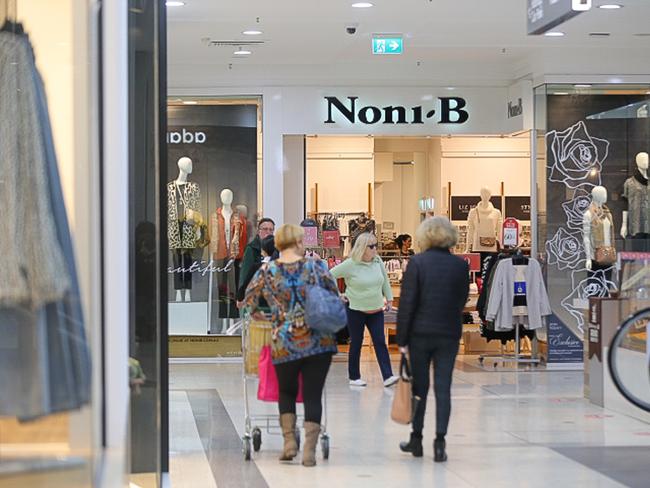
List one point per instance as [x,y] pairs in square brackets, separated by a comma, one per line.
[284,286]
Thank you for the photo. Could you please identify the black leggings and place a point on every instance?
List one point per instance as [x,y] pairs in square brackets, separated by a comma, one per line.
[441,351]
[314,372]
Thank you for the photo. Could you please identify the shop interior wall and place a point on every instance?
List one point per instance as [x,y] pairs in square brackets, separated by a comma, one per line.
[60,35]
[342,167]
[471,163]
[293,151]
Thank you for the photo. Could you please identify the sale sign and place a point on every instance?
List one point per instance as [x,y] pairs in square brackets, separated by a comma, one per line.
[510,232]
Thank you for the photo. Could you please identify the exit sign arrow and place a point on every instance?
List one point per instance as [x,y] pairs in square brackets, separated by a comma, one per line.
[387,44]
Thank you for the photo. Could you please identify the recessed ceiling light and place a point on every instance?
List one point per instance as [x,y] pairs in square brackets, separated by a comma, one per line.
[170,3]
[582,85]
[599,34]
[190,102]
[242,52]
[362,5]
[611,6]
[554,34]
[560,93]
[252,32]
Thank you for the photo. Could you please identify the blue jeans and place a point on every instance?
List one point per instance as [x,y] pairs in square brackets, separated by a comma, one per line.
[375,323]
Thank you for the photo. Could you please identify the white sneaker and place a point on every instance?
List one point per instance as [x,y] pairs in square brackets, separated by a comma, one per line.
[358,382]
[391,381]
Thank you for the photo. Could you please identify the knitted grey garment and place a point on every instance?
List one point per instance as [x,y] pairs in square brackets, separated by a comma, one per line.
[31,259]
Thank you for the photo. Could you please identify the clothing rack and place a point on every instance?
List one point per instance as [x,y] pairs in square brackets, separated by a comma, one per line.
[517,357]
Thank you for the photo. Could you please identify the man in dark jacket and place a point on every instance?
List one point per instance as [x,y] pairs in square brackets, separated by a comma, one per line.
[429,324]
[253,257]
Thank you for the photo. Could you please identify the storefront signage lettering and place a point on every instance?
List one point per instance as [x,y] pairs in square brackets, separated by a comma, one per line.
[452,111]
[515,110]
[203,268]
[186,137]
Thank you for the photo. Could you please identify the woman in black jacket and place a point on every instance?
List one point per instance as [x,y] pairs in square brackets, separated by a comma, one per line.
[429,324]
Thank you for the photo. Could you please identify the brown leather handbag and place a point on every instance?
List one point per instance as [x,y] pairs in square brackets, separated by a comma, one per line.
[404,403]
[605,255]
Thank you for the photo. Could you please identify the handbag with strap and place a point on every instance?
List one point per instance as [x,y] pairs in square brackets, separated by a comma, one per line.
[605,255]
[324,309]
[404,402]
[484,241]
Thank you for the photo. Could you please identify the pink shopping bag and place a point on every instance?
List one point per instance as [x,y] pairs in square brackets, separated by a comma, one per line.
[268,389]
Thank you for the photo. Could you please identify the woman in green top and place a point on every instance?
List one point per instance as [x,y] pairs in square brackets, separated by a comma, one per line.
[367,286]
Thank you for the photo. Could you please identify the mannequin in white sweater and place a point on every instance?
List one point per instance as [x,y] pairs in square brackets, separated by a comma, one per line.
[483,221]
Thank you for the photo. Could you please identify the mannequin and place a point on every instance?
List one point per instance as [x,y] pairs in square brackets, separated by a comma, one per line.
[228,236]
[484,221]
[183,199]
[597,228]
[636,219]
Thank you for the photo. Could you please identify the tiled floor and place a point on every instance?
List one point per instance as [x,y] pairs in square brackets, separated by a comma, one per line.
[508,429]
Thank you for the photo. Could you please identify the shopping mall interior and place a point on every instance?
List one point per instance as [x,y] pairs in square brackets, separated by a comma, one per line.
[166,139]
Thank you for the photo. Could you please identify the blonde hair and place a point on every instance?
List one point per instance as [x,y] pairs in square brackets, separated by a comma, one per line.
[360,244]
[436,232]
[288,235]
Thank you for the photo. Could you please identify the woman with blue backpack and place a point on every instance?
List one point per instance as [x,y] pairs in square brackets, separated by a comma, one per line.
[305,312]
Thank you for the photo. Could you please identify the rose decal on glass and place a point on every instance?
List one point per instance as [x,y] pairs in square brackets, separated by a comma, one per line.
[575,209]
[595,285]
[574,157]
[565,249]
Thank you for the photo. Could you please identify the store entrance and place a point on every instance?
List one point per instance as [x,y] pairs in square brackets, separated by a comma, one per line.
[388,185]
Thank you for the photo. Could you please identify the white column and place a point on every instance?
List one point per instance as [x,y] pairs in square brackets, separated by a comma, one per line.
[116,221]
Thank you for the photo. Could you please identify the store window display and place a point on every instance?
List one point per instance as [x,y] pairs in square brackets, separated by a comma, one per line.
[483,225]
[213,212]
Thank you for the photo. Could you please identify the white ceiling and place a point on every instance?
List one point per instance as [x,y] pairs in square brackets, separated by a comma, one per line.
[447,42]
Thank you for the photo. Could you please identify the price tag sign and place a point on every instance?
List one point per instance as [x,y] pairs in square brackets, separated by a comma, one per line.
[510,233]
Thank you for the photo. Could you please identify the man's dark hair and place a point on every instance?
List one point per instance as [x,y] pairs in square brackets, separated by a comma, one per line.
[263,221]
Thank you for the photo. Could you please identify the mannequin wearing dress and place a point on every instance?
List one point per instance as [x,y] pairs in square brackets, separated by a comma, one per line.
[636,219]
[485,221]
[597,228]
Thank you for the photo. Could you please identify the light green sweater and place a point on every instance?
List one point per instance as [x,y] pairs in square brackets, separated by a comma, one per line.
[366,283]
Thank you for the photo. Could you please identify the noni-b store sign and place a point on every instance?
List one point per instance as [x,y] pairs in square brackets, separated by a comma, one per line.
[447,110]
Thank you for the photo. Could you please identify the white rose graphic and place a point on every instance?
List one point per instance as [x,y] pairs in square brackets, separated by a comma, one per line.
[565,249]
[574,157]
[575,209]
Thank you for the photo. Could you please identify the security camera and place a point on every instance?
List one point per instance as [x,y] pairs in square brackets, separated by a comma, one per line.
[351,29]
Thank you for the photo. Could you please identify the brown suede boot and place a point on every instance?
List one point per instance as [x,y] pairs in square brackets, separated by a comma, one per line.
[312,431]
[288,424]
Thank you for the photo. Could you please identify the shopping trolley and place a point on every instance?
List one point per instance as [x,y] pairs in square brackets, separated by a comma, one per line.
[255,335]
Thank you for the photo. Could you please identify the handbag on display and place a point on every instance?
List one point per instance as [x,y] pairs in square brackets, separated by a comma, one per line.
[605,255]
[310,238]
[268,389]
[331,239]
[324,309]
[485,241]
[404,402]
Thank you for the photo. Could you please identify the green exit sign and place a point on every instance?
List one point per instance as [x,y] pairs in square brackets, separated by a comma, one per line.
[384,44]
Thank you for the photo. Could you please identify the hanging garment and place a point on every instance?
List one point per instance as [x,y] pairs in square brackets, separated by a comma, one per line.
[44,358]
[226,243]
[360,225]
[502,291]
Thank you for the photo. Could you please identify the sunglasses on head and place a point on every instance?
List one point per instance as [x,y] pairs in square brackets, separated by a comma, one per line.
[372,246]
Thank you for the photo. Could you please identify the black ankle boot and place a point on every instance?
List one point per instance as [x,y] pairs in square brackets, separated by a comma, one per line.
[439,454]
[414,445]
